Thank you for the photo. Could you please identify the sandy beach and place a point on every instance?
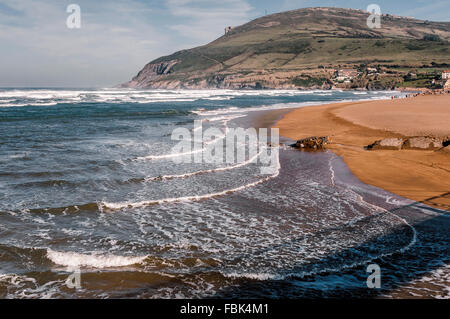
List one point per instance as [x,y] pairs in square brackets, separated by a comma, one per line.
[91,179]
[420,175]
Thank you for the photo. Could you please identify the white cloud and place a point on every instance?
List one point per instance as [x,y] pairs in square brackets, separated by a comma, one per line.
[114,42]
[205,20]
[117,38]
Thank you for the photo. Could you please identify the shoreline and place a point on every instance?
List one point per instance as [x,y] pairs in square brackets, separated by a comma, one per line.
[419,175]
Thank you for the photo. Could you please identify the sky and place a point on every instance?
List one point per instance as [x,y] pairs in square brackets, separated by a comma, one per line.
[118,37]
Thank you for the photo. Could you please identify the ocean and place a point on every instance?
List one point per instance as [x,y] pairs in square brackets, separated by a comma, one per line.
[90,190]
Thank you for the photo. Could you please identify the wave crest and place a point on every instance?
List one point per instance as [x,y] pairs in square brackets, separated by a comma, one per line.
[72,259]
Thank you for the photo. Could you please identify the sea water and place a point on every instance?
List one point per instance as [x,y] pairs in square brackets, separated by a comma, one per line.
[88,184]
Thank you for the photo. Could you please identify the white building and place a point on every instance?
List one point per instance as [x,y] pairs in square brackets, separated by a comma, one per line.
[228,29]
[345,74]
[446,74]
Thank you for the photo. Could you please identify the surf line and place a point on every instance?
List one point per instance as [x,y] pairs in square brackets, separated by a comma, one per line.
[326,270]
[195,151]
[332,171]
[383,210]
[117,206]
[379,209]
[213,170]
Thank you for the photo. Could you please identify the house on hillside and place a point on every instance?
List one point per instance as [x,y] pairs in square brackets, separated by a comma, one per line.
[446,75]
[345,74]
[372,70]
[228,29]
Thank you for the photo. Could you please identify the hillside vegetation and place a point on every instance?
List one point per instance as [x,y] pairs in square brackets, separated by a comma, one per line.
[303,49]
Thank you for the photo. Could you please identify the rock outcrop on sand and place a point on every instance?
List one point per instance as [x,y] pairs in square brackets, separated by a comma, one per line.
[411,143]
[312,143]
[387,144]
[423,143]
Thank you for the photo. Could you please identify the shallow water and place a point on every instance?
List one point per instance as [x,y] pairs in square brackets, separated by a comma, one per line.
[88,181]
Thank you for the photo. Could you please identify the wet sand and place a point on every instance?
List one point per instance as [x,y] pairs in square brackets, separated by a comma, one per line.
[422,176]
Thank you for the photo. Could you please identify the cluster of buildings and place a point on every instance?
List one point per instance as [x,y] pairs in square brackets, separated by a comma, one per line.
[346,75]
[445,80]
[446,75]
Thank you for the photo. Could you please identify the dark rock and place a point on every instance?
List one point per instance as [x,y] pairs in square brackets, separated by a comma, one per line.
[446,142]
[312,143]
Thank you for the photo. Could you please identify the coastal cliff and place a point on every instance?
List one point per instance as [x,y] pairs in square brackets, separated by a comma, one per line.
[318,48]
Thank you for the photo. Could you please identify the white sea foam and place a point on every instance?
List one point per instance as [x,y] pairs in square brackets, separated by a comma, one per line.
[11,98]
[72,259]
[13,105]
[225,120]
[16,280]
[124,205]
[330,164]
[254,276]
[23,287]
[382,210]
[173,155]
[278,106]
[378,209]
[214,170]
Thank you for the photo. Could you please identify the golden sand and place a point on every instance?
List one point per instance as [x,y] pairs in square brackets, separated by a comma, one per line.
[418,175]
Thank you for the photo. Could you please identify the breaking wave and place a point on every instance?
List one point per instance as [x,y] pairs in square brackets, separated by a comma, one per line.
[49,97]
[72,259]
[124,205]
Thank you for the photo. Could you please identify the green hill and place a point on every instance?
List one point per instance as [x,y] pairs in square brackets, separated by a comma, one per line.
[304,48]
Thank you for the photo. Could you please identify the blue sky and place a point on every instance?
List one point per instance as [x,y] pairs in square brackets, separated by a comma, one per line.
[118,37]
